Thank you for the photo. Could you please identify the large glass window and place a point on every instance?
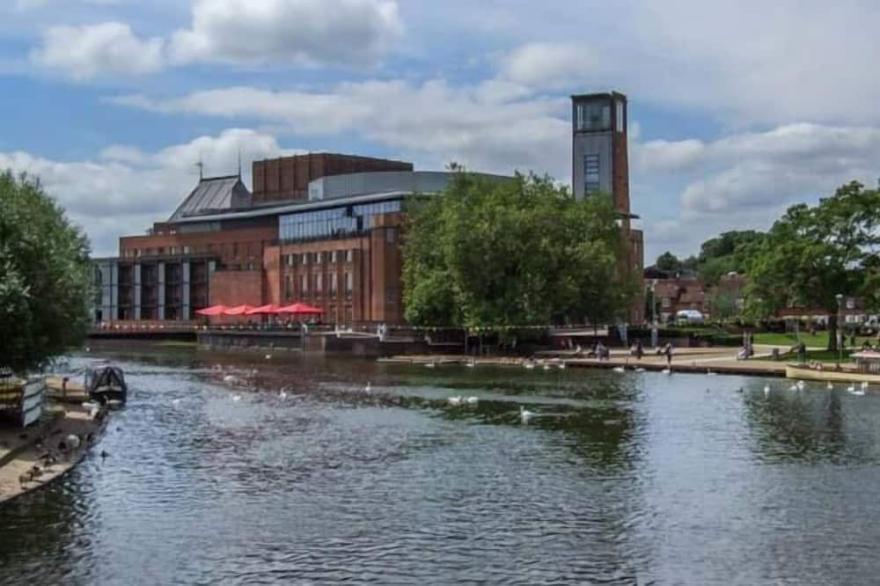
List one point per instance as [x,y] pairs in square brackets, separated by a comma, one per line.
[594,116]
[591,173]
[332,222]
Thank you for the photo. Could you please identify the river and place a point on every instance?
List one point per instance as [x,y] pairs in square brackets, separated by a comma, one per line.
[619,478]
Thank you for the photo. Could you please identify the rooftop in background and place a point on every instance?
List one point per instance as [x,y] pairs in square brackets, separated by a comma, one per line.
[214,195]
[287,179]
[355,188]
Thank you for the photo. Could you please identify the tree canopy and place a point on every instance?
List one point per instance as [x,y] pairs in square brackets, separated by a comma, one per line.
[812,254]
[44,276]
[519,252]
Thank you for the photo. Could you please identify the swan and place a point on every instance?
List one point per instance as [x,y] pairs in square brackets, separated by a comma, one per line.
[525,415]
[766,390]
[710,373]
[175,402]
[472,400]
[236,398]
[454,401]
[528,365]
[562,365]
[854,391]
[546,367]
[619,369]
[229,378]
[864,385]
[268,357]
[793,387]
[368,388]
[430,365]
[471,363]
[801,385]
[829,386]
[667,370]
[282,394]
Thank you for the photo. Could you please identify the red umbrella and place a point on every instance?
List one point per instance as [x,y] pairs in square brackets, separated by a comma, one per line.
[301,309]
[262,310]
[213,310]
[238,310]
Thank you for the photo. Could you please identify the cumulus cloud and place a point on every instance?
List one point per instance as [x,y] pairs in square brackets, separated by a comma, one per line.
[110,48]
[288,31]
[482,129]
[126,189]
[551,65]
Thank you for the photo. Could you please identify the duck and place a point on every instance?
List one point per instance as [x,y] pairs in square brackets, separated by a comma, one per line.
[525,415]
[454,401]
[619,369]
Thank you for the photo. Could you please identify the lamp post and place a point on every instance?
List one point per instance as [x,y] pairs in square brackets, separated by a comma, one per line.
[839,298]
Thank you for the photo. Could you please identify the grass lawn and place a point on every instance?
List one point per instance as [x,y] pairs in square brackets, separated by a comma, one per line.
[820,340]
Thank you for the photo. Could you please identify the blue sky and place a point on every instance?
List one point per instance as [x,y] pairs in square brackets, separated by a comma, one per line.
[736,110]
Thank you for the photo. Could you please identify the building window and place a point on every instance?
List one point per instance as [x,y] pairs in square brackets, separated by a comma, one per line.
[620,122]
[334,283]
[591,173]
[319,257]
[186,250]
[349,283]
[595,116]
[319,282]
[349,255]
[332,256]
[305,258]
[290,258]
[303,284]
[288,287]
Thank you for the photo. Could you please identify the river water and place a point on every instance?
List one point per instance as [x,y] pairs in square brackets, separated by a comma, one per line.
[620,478]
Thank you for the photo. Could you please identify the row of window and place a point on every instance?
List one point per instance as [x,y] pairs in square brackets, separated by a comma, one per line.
[333,222]
[316,283]
[316,258]
[596,116]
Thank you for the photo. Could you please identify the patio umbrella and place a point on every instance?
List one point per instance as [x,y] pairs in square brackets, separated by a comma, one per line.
[213,310]
[269,309]
[237,310]
[300,309]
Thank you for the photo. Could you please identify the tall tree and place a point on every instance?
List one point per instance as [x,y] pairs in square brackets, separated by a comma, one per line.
[726,253]
[44,276]
[813,254]
[499,253]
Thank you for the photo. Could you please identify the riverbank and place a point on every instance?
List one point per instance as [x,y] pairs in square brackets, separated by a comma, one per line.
[32,457]
[687,360]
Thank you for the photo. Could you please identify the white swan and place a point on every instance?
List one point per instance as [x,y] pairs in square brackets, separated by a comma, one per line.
[546,367]
[368,387]
[472,400]
[852,390]
[829,386]
[864,385]
[525,415]
[562,365]
[471,363]
[801,385]
[236,398]
[430,365]
[175,402]
[268,357]
[710,373]
[619,369]
[766,390]
[793,387]
[230,378]
[667,370]
[282,394]
[640,369]
[529,365]
[454,401]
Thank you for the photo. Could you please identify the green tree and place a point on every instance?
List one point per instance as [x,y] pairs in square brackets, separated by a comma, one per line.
[519,252]
[813,254]
[44,276]
[726,253]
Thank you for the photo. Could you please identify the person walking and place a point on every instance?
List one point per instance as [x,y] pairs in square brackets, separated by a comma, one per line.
[668,351]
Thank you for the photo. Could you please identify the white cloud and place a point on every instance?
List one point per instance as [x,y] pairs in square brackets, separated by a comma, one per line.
[126,189]
[551,65]
[109,48]
[288,31]
[477,125]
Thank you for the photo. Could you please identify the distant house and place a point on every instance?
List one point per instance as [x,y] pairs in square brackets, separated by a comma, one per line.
[686,293]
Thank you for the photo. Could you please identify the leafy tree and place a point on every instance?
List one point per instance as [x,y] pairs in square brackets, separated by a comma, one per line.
[518,252]
[813,254]
[44,276]
[725,254]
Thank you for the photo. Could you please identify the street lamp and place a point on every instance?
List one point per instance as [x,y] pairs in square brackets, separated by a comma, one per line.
[839,298]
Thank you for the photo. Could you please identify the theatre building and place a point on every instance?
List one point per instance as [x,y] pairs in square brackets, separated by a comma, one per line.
[322,228]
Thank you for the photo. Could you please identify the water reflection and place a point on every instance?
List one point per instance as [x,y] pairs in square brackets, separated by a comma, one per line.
[633,478]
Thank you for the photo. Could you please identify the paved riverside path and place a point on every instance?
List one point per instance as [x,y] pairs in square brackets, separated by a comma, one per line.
[696,360]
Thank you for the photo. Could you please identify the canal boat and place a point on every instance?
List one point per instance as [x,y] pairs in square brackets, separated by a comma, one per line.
[106,385]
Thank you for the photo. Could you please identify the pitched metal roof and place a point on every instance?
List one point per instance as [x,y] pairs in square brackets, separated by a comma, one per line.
[212,195]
